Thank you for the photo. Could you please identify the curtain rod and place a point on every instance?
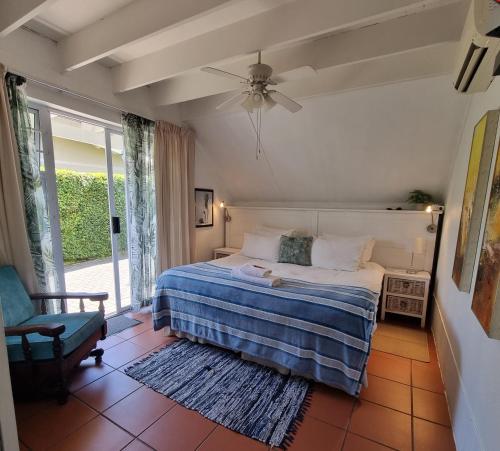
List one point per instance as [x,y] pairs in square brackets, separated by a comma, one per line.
[70,93]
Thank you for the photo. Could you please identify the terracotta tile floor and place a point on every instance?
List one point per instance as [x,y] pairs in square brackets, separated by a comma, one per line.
[404,408]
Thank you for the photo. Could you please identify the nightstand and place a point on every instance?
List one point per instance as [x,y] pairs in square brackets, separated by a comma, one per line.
[221,252]
[406,294]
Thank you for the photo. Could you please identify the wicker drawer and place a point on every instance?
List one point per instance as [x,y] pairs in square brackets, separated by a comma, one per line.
[405,305]
[406,286]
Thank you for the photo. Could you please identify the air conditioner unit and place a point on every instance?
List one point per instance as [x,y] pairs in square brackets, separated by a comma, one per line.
[487,17]
[478,47]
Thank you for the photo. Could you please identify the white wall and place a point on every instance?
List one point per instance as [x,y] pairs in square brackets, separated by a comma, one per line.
[372,145]
[208,175]
[470,361]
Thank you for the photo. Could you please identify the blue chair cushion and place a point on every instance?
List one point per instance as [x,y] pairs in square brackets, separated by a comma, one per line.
[79,327]
[16,304]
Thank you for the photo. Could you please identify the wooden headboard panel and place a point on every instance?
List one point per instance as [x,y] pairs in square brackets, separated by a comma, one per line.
[393,230]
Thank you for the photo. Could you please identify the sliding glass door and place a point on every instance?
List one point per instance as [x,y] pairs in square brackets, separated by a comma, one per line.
[85,185]
[118,209]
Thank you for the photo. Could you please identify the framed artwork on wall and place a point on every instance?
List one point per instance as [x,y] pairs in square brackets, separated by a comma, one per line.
[486,298]
[476,187]
[204,207]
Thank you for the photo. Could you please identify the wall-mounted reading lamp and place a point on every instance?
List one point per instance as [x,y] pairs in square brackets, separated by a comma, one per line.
[227,218]
[433,209]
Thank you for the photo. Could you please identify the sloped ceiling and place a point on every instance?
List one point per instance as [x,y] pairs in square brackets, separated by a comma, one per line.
[366,146]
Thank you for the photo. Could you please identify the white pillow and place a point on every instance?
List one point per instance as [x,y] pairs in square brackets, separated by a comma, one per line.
[271,231]
[369,244]
[261,246]
[340,253]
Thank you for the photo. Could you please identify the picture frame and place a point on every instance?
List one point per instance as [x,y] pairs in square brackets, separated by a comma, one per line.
[476,186]
[204,207]
[486,297]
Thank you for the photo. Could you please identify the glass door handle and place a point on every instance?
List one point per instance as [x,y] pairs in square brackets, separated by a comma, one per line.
[115,224]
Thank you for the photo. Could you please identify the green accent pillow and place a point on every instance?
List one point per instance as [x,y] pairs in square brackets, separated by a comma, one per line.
[296,250]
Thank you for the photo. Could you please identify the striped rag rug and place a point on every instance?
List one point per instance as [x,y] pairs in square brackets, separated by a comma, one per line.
[245,397]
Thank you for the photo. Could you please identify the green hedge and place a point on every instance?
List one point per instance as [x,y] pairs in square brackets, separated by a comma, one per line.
[84,214]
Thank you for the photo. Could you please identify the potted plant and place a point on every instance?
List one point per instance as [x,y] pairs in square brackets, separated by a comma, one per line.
[420,199]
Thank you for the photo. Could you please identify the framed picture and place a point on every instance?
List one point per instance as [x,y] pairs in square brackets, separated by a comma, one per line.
[486,299]
[476,187]
[204,207]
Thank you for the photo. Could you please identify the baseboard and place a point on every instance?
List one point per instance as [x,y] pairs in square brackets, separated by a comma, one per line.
[464,425]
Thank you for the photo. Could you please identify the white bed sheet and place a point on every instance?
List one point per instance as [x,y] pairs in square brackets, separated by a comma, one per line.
[370,276]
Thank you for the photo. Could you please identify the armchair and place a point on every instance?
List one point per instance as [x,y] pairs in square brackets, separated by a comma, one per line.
[44,349]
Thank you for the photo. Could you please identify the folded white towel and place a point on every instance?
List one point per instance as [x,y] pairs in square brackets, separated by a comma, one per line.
[268,281]
[255,270]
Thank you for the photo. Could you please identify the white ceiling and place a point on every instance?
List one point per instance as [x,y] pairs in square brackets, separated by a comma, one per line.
[204,23]
[378,105]
[363,146]
[163,43]
[70,16]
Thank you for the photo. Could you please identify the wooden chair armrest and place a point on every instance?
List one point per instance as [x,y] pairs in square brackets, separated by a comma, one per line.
[47,329]
[102,296]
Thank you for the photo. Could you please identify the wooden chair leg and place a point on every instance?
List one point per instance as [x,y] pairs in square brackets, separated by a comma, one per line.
[62,389]
[97,353]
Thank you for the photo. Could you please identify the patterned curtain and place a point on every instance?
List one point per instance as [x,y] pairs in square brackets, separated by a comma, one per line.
[35,205]
[138,134]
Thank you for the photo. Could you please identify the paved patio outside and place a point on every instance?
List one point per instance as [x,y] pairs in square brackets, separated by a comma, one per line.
[97,275]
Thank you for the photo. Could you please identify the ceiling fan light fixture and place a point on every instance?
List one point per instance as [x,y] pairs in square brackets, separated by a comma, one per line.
[257,99]
[248,104]
[268,103]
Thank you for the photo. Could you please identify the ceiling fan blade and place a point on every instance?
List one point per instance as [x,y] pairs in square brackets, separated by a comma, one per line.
[295,74]
[223,73]
[237,98]
[285,101]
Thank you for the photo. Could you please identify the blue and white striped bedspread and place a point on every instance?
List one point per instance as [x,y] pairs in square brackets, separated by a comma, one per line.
[319,331]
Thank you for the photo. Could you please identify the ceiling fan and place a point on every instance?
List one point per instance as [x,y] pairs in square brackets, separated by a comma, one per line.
[257,95]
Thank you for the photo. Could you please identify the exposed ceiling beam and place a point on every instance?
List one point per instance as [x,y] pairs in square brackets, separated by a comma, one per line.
[424,62]
[304,19]
[138,20]
[15,13]
[399,35]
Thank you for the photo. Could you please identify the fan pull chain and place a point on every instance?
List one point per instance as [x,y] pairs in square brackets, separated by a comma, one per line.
[257,135]
[259,125]
[256,128]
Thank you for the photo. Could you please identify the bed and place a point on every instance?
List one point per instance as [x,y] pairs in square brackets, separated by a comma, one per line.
[318,323]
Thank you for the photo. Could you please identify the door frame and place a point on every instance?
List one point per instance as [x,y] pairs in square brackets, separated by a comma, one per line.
[112,213]
[44,112]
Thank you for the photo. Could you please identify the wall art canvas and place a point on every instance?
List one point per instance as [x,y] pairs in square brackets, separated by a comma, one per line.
[476,186]
[486,299]
[204,207]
